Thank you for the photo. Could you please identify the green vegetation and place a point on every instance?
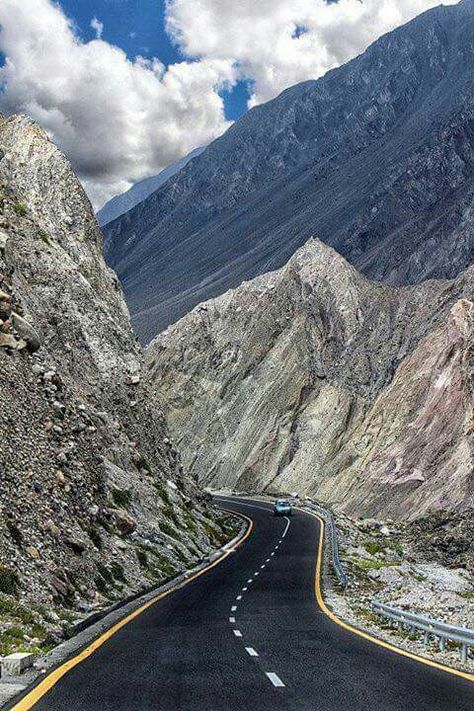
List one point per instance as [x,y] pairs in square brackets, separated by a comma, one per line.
[189,521]
[162,492]
[374,547]
[155,563]
[122,497]
[12,609]
[169,530]
[20,209]
[44,236]
[467,594]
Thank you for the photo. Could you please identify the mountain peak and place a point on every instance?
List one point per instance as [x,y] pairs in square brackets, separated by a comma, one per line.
[375,158]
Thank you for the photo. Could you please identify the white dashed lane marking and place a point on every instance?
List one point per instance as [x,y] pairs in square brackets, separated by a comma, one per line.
[274,678]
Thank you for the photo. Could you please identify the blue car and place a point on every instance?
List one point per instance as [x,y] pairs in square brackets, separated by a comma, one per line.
[282,507]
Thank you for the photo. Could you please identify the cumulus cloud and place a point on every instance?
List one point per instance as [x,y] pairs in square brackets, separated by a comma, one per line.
[120,120]
[117,120]
[98,26]
[276,43]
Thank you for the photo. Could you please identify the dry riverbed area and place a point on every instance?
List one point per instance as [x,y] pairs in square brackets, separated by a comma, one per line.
[425,566]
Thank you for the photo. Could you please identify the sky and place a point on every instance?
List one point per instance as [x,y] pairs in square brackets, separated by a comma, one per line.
[126,87]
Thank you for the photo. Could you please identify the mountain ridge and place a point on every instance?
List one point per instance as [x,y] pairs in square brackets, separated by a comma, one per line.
[316,380]
[376,157]
[140,190]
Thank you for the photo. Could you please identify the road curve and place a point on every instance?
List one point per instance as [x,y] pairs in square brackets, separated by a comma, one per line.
[249,635]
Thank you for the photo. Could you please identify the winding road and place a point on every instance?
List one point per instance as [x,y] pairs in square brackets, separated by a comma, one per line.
[250,635]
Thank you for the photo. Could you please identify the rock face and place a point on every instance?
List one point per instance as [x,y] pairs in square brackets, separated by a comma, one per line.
[120,204]
[94,504]
[376,158]
[314,379]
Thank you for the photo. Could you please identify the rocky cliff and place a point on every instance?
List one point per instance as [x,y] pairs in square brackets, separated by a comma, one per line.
[94,505]
[314,379]
[376,158]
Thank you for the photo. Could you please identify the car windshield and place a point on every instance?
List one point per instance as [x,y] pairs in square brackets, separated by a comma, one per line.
[283,502]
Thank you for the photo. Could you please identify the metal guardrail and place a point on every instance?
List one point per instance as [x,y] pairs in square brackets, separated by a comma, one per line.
[440,631]
[331,532]
[431,629]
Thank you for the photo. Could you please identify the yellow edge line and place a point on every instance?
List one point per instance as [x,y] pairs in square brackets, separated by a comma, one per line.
[52,679]
[360,633]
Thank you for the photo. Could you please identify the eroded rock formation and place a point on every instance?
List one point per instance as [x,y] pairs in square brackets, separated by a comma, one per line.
[314,379]
[94,504]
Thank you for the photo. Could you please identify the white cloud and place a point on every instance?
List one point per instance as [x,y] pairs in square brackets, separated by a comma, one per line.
[120,120]
[261,36]
[117,120]
[98,26]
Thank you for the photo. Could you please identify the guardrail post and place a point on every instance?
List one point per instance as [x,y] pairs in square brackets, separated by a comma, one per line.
[464,649]
[426,637]
[442,644]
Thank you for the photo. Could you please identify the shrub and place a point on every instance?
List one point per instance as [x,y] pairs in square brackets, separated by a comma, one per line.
[122,497]
[20,209]
[373,547]
[44,236]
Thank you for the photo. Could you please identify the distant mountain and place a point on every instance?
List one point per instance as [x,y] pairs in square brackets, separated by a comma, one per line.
[316,380]
[120,204]
[376,158]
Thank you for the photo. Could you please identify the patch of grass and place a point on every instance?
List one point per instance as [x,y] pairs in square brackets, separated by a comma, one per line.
[180,556]
[162,492]
[466,594]
[189,521]
[44,236]
[165,566]
[169,530]
[20,209]
[216,536]
[373,547]
[14,610]
[122,497]
[169,512]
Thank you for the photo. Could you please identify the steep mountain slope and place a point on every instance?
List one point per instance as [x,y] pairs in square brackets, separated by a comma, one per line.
[376,158]
[94,505]
[314,379]
[120,204]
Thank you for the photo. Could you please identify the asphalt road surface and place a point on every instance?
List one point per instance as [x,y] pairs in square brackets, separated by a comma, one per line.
[248,635]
